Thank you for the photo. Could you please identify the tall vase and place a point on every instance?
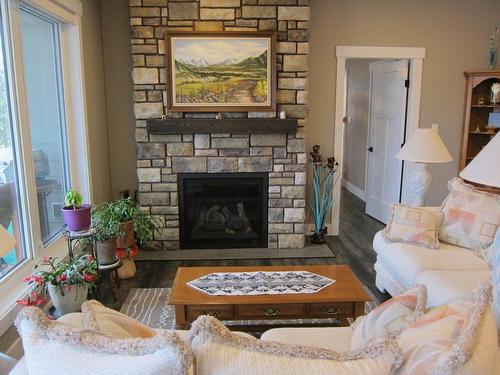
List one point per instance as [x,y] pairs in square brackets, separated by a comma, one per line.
[72,299]
[128,269]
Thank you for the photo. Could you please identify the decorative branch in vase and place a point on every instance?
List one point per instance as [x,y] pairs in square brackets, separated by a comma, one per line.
[324,179]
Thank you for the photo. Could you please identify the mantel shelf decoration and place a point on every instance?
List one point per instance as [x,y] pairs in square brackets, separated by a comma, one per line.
[221,72]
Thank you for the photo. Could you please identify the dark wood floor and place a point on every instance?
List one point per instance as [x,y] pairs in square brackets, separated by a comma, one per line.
[353,246]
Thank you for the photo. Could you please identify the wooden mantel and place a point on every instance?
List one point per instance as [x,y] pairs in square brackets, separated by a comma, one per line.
[225,125]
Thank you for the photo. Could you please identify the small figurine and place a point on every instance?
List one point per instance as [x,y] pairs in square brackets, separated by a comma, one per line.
[495,93]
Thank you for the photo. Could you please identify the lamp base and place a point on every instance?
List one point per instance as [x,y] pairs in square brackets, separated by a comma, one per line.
[419,183]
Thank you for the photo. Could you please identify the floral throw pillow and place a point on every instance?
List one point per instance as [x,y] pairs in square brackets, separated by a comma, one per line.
[414,226]
[389,318]
[471,217]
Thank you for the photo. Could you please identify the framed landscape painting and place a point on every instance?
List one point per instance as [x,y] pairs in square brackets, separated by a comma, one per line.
[221,72]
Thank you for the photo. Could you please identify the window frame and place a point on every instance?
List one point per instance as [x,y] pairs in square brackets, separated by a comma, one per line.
[68,14]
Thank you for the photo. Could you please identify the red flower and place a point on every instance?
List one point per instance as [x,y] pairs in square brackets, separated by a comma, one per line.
[62,277]
[37,279]
[133,251]
[24,302]
[88,277]
[90,258]
[28,279]
[121,253]
[45,259]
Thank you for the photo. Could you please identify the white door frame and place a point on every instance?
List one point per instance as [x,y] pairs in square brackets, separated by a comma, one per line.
[416,56]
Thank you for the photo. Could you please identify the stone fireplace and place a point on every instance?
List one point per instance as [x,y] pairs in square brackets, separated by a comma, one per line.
[165,162]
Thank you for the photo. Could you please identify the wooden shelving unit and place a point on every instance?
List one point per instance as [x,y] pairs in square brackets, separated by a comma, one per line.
[475,134]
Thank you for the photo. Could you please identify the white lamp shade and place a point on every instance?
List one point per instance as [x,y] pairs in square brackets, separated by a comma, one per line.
[425,146]
[485,167]
[7,241]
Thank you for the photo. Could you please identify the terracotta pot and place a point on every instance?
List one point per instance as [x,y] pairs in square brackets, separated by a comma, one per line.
[106,251]
[128,240]
[127,270]
[78,219]
[70,299]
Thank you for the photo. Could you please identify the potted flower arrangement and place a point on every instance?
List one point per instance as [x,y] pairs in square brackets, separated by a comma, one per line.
[67,283]
[323,181]
[76,214]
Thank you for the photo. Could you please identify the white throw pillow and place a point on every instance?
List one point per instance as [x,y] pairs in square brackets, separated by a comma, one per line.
[51,347]
[389,318]
[218,351]
[414,226]
[115,324]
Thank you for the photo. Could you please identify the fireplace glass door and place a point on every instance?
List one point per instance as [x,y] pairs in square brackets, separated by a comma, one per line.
[226,210]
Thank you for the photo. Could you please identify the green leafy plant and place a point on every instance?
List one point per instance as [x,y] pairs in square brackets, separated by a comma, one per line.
[81,270]
[73,199]
[105,221]
[108,216]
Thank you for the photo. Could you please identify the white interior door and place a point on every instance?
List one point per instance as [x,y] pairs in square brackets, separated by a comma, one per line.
[386,135]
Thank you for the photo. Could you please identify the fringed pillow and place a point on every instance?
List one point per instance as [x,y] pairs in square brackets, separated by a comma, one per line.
[444,340]
[115,324]
[389,318]
[51,347]
[218,351]
[471,216]
[414,226]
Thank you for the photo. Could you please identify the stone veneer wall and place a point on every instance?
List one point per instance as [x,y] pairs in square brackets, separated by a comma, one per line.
[161,157]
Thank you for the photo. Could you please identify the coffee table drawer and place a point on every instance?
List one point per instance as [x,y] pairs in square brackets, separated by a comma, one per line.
[277,311]
[330,310]
[222,312]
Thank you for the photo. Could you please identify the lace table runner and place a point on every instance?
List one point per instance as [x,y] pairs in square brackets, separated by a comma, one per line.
[257,283]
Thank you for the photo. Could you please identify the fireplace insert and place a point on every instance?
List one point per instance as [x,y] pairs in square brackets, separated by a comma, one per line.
[223,210]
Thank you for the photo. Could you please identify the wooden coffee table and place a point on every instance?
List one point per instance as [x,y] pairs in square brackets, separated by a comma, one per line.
[342,300]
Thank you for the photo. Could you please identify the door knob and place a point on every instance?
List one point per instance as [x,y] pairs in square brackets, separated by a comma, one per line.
[370,149]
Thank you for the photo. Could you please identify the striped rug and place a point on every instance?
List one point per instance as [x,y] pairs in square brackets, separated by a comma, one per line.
[150,307]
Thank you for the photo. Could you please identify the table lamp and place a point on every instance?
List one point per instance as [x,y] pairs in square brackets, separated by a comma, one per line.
[484,169]
[424,146]
[7,241]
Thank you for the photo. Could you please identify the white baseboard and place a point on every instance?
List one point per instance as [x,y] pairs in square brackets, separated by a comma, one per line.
[354,189]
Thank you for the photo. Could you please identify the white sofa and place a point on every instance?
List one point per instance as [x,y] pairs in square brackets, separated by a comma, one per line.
[449,272]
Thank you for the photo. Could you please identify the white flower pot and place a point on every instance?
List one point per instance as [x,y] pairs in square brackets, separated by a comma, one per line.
[71,301]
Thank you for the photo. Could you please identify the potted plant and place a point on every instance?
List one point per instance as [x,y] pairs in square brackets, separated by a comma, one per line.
[67,283]
[76,214]
[321,202]
[106,223]
[132,221]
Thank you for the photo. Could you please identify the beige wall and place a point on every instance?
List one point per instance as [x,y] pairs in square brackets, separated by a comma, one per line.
[96,100]
[358,93]
[455,34]
[119,89]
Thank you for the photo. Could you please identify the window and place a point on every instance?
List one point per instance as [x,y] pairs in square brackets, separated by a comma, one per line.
[10,214]
[43,134]
[45,99]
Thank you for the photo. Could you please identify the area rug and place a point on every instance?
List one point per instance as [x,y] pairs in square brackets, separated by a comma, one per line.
[260,283]
[150,307]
